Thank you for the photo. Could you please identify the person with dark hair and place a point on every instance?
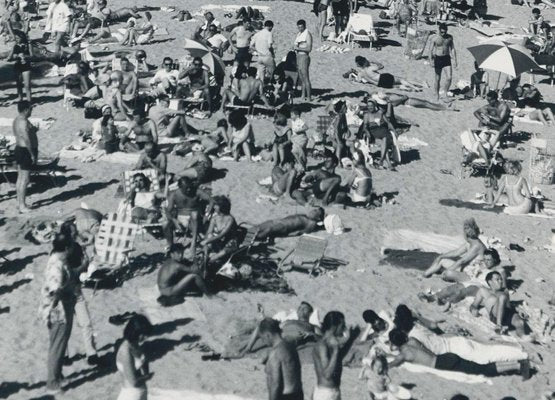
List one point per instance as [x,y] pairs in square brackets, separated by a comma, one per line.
[184,211]
[494,115]
[441,50]
[292,225]
[240,38]
[242,135]
[473,249]
[152,157]
[372,72]
[165,79]
[320,8]
[220,239]
[378,123]
[144,130]
[131,361]
[177,276]
[320,184]
[495,300]
[339,130]
[168,122]
[197,165]
[263,43]
[21,54]
[199,81]
[57,308]
[411,350]
[285,178]
[26,151]
[249,89]
[328,356]
[283,366]
[144,202]
[303,47]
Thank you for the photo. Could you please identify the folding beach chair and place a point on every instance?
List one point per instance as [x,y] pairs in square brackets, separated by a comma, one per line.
[306,256]
[472,163]
[360,28]
[112,245]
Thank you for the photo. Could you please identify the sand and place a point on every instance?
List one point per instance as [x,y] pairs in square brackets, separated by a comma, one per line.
[362,284]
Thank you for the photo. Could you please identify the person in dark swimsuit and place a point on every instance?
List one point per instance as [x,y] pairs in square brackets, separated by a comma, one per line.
[184,209]
[144,130]
[197,165]
[282,133]
[377,125]
[21,54]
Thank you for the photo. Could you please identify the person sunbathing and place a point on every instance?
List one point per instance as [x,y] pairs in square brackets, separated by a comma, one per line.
[461,257]
[544,116]
[78,83]
[413,351]
[242,135]
[199,81]
[108,93]
[197,165]
[292,225]
[517,193]
[368,72]
[170,123]
[495,300]
[285,178]
[220,239]
[248,90]
[152,157]
[360,181]
[400,99]
[494,115]
[178,276]
[320,184]
[144,203]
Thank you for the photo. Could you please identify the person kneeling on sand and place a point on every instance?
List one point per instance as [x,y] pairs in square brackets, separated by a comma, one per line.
[178,276]
[292,225]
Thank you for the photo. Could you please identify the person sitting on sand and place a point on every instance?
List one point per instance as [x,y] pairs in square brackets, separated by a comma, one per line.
[413,351]
[377,123]
[544,116]
[108,92]
[144,130]
[152,157]
[220,239]
[496,302]
[517,192]
[242,135]
[461,257]
[248,90]
[368,72]
[292,225]
[320,184]
[359,184]
[177,276]
[78,83]
[170,123]
[199,82]
[143,201]
[285,178]
[197,165]
[494,115]
[299,139]
[165,79]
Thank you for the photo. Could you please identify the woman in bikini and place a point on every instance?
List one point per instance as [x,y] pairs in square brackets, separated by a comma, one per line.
[377,124]
[242,135]
[360,182]
[131,361]
[220,239]
[516,190]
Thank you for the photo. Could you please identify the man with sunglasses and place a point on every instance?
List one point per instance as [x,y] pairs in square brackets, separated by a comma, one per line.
[217,42]
[165,79]
[202,32]
[440,57]
[199,80]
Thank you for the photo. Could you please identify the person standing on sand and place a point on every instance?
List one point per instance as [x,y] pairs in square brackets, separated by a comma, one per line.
[328,356]
[26,151]
[303,47]
[263,43]
[283,366]
[441,50]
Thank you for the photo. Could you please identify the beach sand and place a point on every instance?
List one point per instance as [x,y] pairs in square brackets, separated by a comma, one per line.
[362,284]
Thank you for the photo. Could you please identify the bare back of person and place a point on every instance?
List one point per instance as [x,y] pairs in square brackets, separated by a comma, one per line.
[248,89]
[416,353]
[169,274]
[285,355]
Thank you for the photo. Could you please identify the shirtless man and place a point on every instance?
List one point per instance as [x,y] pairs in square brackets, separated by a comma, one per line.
[197,164]
[320,184]
[168,122]
[494,115]
[495,300]
[176,277]
[472,250]
[199,80]
[413,351]
[152,157]
[328,356]
[248,90]
[292,225]
[129,83]
[283,367]
[26,151]
[440,57]
[242,34]
[144,130]
[183,210]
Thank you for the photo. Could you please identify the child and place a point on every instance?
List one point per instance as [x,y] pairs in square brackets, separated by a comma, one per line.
[129,38]
[298,137]
[479,81]
[282,135]
[378,382]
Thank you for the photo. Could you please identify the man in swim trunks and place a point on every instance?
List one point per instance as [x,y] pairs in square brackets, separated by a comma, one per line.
[177,276]
[199,81]
[144,130]
[249,90]
[494,115]
[242,35]
[168,122]
[197,165]
[440,57]
[292,225]
[283,367]
[26,151]
[152,157]
[130,83]
[495,300]
[320,184]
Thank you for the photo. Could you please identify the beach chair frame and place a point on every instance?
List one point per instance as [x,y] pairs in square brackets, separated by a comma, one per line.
[309,250]
[361,22]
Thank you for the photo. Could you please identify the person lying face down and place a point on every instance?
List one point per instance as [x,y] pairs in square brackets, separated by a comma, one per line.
[292,225]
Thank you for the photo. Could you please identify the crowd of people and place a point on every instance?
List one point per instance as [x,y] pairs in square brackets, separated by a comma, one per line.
[134,106]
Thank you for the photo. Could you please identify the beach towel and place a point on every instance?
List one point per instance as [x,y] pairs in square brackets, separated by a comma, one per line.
[407,142]
[406,239]
[41,123]
[450,375]
[166,394]
[158,314]
[412,259]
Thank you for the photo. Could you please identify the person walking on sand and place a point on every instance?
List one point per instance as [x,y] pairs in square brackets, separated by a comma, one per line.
[443,47]
[26,151]
[303,47]
[328,356]
[283,366]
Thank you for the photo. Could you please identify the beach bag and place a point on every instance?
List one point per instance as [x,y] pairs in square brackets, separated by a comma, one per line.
[333,224]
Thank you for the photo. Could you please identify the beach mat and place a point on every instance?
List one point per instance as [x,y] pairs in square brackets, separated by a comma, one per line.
[470,205]
[412,259]
[407,239]
[158,314]
[166,394]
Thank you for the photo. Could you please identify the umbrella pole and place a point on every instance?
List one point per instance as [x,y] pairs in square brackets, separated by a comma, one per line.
[498,79]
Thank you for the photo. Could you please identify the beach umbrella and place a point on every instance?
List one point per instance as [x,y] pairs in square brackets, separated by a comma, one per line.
[211,60]
[506,58]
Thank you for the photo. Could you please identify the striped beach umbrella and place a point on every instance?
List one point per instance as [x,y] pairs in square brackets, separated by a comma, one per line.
[509,59]
[211,60]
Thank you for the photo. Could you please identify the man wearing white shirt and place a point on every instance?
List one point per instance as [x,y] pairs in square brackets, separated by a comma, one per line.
[203,32]
[217,42]
[303,47]
[262,42]
[58,17]
[166,78]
